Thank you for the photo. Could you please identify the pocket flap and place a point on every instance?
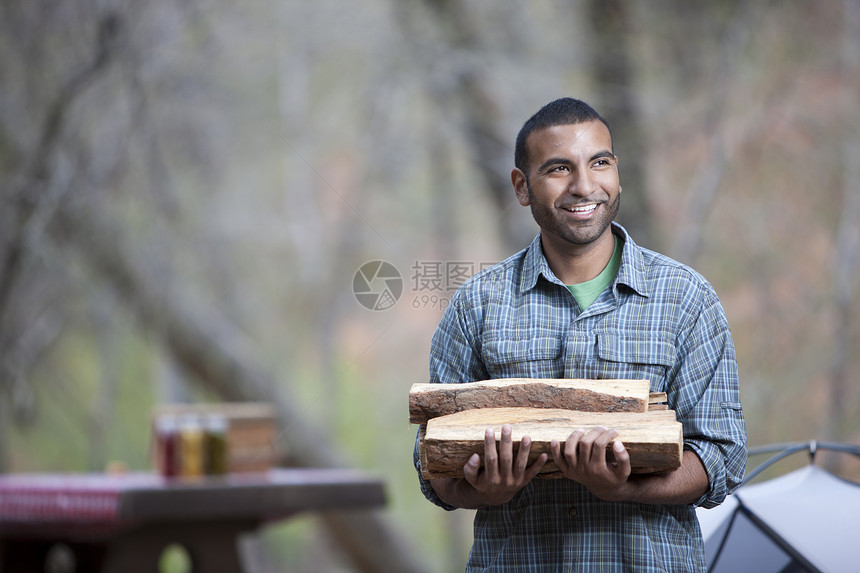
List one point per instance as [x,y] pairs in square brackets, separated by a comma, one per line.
[636,349]
[512,350]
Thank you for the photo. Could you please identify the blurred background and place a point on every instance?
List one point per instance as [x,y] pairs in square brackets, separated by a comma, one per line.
[188,191]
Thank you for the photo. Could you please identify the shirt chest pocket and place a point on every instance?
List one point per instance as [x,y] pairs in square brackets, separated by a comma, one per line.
[537,357]
[634,357]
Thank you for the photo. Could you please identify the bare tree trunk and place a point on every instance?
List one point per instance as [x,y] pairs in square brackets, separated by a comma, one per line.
[102,413]
[470,100]
[846,259]
[493,153]
[4,415]
[293,69]
[709,175]
[613,71]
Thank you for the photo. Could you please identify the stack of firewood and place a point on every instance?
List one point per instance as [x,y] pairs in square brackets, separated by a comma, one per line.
[453,419]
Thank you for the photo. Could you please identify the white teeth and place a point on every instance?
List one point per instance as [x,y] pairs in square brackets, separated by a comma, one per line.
[585,209]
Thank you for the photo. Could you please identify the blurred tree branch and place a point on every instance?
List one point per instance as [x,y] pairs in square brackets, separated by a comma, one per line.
[30,198]
[35,199]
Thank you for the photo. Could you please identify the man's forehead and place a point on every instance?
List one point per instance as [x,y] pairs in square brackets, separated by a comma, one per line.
[588,133]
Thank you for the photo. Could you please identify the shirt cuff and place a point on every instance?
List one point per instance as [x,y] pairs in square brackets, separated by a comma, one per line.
[712,460]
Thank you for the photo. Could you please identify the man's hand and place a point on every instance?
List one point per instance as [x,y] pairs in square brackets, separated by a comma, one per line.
[502,476]
[587,461]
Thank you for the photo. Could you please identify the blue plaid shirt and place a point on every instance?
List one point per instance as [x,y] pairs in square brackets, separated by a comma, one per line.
[659,320]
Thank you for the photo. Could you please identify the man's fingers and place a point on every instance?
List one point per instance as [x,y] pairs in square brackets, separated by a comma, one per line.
[584,446]
[471,469]
[622,460]
[506,451]
[523,456]
[535,468]
[491,460]
[599,454]
[592,446]
[603,437]
[572,445]
[557,456]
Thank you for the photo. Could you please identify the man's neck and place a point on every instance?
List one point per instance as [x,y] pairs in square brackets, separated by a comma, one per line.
[575,264]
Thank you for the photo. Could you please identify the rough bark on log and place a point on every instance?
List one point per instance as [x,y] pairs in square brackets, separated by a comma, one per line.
[654,440]
[428,401]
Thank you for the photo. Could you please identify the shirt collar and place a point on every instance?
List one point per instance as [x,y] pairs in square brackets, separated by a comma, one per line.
[630,273]
[534,266]
[632,269]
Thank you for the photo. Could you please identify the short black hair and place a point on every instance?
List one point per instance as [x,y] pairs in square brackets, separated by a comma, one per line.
[563,111]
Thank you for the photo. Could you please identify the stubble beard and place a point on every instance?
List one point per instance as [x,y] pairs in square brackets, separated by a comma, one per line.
[585,234]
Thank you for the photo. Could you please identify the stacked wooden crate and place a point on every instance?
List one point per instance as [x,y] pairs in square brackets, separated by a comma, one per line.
[252,443]
[453,419]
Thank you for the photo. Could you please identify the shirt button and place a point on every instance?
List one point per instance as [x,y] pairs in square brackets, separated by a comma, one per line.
[571,511]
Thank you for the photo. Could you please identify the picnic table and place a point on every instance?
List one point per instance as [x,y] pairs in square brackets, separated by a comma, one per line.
[122,523]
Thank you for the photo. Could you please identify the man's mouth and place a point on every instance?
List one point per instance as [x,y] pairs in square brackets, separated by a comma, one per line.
[581,209]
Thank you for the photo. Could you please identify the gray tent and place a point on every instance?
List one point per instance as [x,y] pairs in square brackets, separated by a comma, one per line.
[806,520]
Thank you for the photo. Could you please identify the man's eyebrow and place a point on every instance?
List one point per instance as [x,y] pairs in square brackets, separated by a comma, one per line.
[602,154]
[552,161]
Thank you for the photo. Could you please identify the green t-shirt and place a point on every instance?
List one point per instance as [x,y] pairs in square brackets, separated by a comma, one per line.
[587,292]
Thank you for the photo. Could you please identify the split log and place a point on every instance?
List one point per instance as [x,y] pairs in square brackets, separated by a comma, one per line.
[657,401]
[427,401]
[654,440]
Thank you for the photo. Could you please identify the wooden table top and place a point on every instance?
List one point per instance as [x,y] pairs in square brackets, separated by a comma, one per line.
[33,500]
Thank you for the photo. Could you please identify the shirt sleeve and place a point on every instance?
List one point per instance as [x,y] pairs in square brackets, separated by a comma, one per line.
[454,358]
[706,398]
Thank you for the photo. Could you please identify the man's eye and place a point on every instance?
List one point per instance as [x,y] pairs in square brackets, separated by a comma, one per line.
[558,168]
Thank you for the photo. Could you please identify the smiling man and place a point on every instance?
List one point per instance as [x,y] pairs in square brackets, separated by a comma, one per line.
[574,194]
[584,301]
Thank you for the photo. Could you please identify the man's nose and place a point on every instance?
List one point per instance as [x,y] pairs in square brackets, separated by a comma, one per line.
[582,184]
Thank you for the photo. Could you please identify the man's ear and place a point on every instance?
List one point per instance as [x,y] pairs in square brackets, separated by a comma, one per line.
[521,186]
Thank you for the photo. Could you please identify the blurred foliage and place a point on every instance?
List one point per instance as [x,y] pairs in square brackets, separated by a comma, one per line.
[244,160]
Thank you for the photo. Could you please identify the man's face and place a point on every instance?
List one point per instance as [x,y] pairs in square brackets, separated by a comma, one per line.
[572,186]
